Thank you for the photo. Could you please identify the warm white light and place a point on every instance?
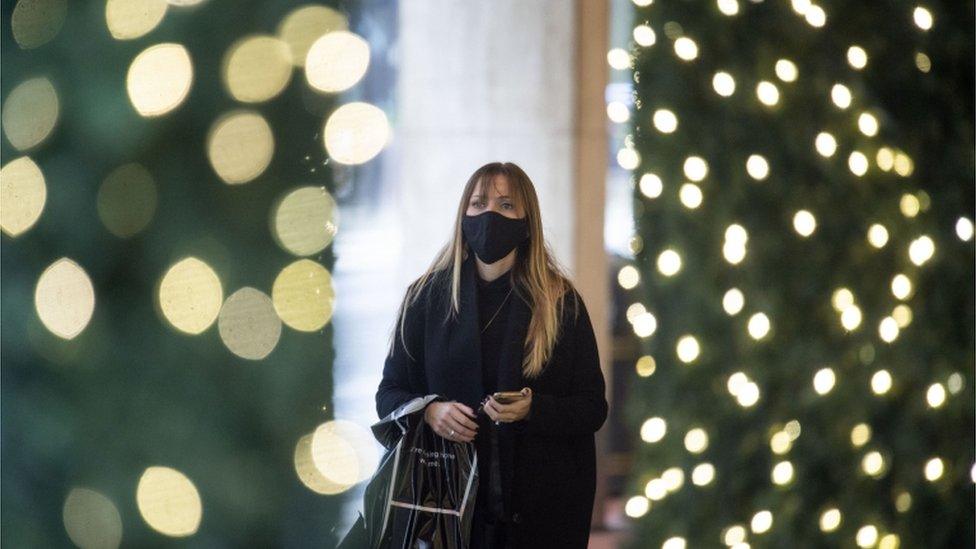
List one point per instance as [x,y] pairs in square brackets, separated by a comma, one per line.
[901,286]
[860,435]
[782,473]
[665,121]
[734,535]
[885,159]
[964,229]
[637,506]
[618,58]
[786,70]
[804,223]
[868,124]
[923,18]
[645,324]
[873,463]
[936,395]
[691,195]
[674,543]
[826,144]
[830,520]
[669,262]
[736,233]
[758,326]
[723,84]
[702,474]
[695,168]
[687,348]
[780,442]
[653,430]
[841,299]
[728,7]
[686,48]
[628,277]
[858,163]
[656,489]
[921,250]
[867,536]
[757,167]
[841,96]
[748,394]
[628,158]
[696,440]
[768,93]
[934,469]
[857,57]
[816,16]
[761,522]
[651,185]
[733,301]
[823,380]
[800,6]
[618,112]
[673,478]
[644,35]
[877,235]
[850,318]
[881,382]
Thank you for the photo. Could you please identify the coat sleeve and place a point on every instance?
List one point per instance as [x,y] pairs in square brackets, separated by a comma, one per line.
[400,367]
[585,410]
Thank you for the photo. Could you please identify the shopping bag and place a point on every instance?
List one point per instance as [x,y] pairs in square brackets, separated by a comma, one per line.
[423,492]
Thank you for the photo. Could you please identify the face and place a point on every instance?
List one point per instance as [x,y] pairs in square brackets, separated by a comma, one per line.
[495,198]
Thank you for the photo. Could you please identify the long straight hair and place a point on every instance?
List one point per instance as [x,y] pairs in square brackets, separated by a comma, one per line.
[538,279]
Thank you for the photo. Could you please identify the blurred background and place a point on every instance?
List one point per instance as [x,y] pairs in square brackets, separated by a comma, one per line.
[210,210]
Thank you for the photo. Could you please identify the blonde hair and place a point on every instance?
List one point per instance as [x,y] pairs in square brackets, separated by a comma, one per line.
[538,278]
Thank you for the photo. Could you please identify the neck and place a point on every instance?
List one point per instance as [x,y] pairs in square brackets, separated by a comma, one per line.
[491,271]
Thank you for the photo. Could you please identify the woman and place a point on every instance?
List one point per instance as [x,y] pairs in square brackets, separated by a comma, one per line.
[494,312]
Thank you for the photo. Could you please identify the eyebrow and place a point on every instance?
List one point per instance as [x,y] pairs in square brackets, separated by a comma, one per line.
[481,195]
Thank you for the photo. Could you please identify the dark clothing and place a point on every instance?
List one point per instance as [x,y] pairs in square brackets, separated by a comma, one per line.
[548,459]
[493,305]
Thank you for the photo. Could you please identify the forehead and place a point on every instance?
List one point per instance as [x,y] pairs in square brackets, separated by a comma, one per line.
[498,186]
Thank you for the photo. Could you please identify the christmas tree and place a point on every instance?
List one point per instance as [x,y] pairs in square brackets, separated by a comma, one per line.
[167,190]
[802,281]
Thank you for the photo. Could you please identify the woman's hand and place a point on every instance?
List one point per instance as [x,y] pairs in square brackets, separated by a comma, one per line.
[510,412]
[448,420]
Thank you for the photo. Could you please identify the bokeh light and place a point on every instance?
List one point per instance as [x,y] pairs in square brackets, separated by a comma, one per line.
[159,79]
[190,295]
[355,133]
[169,502]
[64,298]
[303,295]
[305,220]
[30,113]
[23,194]
[257,68]
[336,61]
[240,146]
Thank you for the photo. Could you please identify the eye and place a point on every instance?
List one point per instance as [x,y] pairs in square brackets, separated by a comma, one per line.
[508,205]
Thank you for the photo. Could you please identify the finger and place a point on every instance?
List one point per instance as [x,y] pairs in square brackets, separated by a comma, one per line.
[490,410]
[465,408]
[462,409]
[458,428]
[459,416]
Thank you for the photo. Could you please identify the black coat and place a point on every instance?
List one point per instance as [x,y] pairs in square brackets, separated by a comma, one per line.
[551,455]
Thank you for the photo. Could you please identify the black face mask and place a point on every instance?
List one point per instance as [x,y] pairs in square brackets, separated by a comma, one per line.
[492,235]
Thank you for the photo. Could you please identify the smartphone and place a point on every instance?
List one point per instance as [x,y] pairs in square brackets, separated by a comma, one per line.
[507,397]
